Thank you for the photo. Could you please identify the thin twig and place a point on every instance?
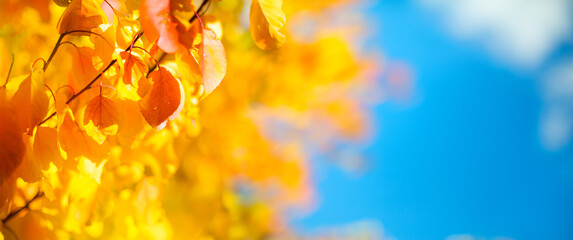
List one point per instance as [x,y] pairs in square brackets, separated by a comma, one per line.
[54,51]
[203,5]
[26,206]
[88,86]
[191,20]
[9,71]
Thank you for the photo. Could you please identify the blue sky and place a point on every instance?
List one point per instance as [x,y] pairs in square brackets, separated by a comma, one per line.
[466,155]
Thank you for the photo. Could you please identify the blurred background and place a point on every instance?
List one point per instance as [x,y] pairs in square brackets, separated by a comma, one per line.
[481,147]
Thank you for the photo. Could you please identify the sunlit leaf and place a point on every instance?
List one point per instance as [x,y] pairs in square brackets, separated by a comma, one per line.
[103,114]
[46,148]
[165,99]
[267,20]
[135,68]
[76,142]
[12,148]
[81,15]
[158,24]
[214,62]
[31,99]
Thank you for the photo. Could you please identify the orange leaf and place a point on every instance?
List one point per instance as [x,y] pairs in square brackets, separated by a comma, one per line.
[135,68]
[32,100]
[81,15]
[12,148]
[165,99]
[46,147]
[30,167]
[76,142]
[126,31]
[135,121]
[267,20]
[104,115]
[86,66]
[158,24]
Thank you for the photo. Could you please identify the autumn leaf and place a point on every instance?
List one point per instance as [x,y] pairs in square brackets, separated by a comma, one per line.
[214,61]
[76,142]
[125,31]
[133,118]
[267,20]
[46,147]
[135,68]
[31,99]
[30,167]
[104,116]
[181,5]
[210,67]
[164,100]
[99,168]
[103,41]
[158,24]
[86,66]
[12,147]
[81,15]
[188,68]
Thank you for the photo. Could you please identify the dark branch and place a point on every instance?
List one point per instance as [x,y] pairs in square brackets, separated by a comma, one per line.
[201,10]
[9,70]
[88,86]
[26,206]
[54,51]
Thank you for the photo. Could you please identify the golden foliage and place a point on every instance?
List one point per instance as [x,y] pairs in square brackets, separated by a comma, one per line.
[144,122]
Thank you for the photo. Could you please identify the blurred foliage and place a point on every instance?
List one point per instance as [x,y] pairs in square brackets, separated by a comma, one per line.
[95,147]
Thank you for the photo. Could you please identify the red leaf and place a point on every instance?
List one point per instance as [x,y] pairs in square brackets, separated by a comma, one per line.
[135,68]
[104,115]
[165,99]
[158,24]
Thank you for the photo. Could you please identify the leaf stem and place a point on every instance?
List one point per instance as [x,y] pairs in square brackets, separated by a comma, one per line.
[54,51]
[9,71]
[26,206]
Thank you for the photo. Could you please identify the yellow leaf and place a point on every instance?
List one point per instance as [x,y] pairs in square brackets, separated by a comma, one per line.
[214,62]
[90,169]
[81,15]
[189,69]
[125,32]
[267,20]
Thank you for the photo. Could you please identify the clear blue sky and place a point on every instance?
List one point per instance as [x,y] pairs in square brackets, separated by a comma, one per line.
[465,157]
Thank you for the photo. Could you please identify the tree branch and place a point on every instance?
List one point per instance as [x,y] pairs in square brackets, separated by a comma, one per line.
[26,206]
[200,10]
[88,86]
[54,51]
